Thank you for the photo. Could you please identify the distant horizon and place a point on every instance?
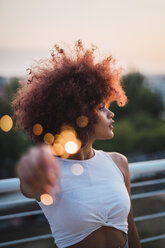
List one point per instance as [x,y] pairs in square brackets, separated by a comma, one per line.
[14,63]
[9,76]
[132,31]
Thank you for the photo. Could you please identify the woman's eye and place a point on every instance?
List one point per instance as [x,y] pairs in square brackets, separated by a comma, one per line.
[102,107]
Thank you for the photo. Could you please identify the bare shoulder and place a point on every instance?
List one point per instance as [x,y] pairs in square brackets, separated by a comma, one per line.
[122,162]
[119,158]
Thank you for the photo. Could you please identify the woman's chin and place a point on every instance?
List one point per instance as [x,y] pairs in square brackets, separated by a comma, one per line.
[111,134]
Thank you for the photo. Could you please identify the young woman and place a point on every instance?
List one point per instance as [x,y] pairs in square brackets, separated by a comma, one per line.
[67,97]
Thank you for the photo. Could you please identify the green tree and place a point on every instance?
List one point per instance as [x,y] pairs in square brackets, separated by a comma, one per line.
[138,126]
[140,98]
[12,143]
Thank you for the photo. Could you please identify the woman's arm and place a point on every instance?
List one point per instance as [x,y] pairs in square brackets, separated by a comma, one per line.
[122,162]
[133,236]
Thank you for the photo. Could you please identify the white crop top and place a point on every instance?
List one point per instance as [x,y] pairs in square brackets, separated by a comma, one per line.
[96,197]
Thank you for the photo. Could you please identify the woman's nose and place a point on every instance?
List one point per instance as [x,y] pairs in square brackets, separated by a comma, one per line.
[110,114]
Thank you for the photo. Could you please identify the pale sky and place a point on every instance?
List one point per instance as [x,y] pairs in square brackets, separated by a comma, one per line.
[133,31]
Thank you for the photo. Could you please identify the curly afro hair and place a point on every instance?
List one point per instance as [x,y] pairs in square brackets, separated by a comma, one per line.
[58,90]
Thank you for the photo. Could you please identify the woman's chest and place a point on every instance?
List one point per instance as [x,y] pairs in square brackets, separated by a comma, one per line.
[93,202]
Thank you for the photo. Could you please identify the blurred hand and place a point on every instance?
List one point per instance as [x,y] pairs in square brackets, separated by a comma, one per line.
[38,171]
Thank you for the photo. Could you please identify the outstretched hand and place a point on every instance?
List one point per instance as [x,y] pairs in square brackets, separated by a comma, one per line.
[38,171]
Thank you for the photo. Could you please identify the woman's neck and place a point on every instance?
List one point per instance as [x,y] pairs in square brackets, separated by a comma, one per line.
[83,154]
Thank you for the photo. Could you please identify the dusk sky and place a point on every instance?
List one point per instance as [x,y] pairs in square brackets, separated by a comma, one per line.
[133,31]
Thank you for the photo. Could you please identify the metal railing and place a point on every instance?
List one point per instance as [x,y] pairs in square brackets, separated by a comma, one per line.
[10,195]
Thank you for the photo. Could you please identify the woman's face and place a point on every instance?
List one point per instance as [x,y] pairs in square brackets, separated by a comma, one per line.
[104,128]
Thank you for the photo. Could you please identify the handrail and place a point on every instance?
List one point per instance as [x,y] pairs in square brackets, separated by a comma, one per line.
[134,196]
[148,182]
[158,237]
[136,170]
[148,194]
[20,241]
[48,236]
[149,216]
[23,214]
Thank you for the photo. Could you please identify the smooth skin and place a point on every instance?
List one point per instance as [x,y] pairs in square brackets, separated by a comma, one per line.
[38,173]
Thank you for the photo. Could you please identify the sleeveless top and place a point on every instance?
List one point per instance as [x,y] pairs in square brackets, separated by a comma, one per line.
[92,194]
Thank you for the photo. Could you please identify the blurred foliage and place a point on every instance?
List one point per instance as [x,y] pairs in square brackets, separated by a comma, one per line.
[138,126]
[13,143]
[136,134]
[140,98]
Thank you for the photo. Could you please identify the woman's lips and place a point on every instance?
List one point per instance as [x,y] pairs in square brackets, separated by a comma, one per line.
[110,126]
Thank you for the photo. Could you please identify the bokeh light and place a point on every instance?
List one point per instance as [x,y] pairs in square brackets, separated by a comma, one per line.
[71,147]
[67,133]
[49,138]
[46,199]
[37,129]
[6,123]
[66,142]
[77,169]
[57,149]
[82,121]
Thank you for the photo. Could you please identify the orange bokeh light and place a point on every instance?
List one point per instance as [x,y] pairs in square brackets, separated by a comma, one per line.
[57,149]
[66,142]
[82,121]
[6,123]
[71,147]
[49,138]
[46,199]
[37,129]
